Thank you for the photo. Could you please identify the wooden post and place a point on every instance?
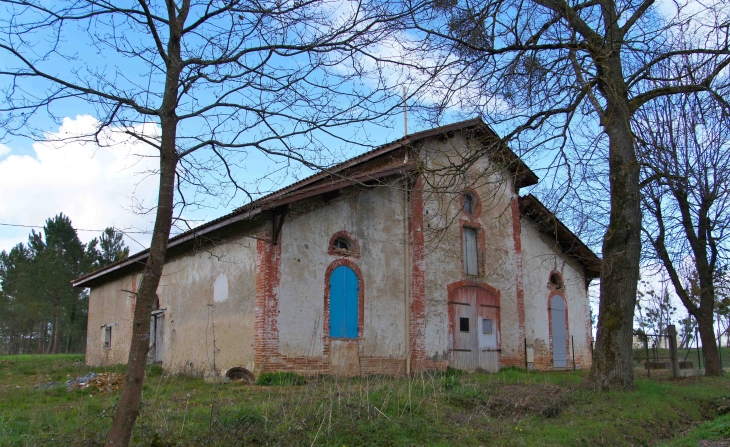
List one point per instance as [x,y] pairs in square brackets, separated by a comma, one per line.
[672,333]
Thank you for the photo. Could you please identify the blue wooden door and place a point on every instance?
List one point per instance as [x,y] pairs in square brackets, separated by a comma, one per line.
[343,303]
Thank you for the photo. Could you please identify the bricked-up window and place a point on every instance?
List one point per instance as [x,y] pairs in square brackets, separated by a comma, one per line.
[107,336]
[486,326]
[464,324]
[470,251]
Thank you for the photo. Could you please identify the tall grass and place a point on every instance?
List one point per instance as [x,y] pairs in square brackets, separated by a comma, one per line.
[512,407]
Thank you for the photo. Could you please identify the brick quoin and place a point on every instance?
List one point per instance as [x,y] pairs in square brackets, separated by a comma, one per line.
[266,331]
[519,279]
[134,294]
[418,279]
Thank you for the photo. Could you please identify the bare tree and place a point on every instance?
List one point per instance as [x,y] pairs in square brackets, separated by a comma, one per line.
[546,72]
[220,80]
[684,148]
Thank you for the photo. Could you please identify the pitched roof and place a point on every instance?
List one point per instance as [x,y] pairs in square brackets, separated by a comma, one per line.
[547,223]
[328,180]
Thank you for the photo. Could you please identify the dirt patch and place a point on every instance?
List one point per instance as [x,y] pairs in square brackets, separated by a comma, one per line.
[519,400]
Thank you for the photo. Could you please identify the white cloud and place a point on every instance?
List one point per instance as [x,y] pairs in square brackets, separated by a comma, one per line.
[95,185]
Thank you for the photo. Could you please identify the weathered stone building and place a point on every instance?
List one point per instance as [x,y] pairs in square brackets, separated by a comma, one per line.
[416,255]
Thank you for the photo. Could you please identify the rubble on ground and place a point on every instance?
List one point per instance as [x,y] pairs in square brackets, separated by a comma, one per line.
[97,383]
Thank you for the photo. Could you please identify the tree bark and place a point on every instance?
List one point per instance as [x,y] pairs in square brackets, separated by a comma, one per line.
[613,356]
[57,335]
[713,367]
[129,403]
[128,408]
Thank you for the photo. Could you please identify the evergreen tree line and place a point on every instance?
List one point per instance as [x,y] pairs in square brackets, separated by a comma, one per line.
[39,310]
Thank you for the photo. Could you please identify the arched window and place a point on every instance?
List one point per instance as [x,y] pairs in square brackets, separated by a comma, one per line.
[343,301]
[469,203]
[341,243]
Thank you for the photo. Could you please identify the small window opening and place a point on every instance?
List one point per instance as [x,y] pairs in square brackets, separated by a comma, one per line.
[156,303]
[556,281]
[464,324]
[108,337]
[342,244]
[468,203]
[486,326]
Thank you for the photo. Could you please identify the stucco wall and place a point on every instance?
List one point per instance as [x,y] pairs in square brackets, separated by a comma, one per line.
[539,260]
[110,304]
[208,296]
[443,219]
[374,219]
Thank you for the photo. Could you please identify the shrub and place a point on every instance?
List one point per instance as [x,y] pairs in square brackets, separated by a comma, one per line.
[280,379]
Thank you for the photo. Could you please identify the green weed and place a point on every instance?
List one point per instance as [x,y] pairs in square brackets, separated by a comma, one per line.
[281,379]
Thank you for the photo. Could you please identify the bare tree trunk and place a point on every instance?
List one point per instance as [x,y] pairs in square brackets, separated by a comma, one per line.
[613,357]
[57,333]
[128,408]
[709,345]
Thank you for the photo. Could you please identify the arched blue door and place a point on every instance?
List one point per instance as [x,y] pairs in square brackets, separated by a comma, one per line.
[343,303]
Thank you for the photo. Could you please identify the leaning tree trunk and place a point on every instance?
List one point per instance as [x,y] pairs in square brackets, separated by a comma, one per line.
[128,408]
[129,403]
[613,355]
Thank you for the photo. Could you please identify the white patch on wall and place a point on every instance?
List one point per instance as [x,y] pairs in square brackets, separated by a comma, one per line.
[220,288]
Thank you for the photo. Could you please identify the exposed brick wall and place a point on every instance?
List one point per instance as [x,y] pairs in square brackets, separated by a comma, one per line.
[266,331]
[519,281]
[418,279]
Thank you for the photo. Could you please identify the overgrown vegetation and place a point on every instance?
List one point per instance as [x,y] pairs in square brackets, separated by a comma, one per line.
[513,407]
[281,379]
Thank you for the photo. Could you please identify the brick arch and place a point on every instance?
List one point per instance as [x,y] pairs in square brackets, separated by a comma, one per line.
[469,283]
[360,300]
[355,252]
[561,294]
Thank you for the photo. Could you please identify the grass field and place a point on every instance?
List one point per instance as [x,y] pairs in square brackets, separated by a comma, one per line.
[512,407]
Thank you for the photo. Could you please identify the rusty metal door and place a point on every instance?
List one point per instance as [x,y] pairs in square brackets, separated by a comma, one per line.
[474,314]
